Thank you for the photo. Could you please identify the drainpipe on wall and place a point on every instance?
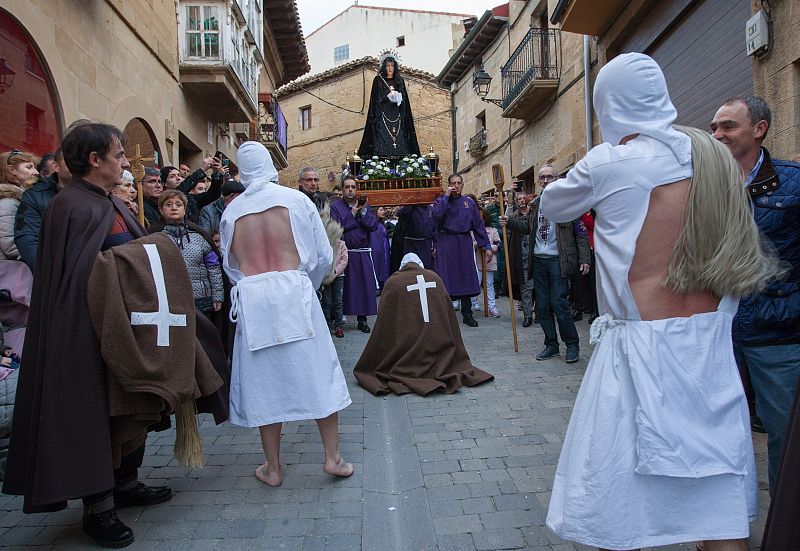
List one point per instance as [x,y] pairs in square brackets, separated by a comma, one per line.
[453,130]
[587,92]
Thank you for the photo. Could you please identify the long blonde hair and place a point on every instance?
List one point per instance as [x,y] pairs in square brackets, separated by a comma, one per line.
[719,249]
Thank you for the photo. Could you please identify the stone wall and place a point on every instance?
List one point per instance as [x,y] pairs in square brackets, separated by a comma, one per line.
[776,78]
[335,132]
[554,135]
[116,60]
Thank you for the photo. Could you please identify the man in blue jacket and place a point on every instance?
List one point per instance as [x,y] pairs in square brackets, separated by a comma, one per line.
[766,330]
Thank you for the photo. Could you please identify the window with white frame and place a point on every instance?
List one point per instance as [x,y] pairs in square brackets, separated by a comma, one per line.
[202,32]
[341,53]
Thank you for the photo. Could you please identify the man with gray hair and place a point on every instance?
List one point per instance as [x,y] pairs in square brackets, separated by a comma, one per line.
[556,253]
[308,184]
[766,330]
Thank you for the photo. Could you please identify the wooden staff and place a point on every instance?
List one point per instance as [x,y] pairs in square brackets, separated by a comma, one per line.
[137,170]
[497,174]
[485,296]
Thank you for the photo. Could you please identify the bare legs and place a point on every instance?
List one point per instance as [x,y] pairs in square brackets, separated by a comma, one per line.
[270,472]
[329,431]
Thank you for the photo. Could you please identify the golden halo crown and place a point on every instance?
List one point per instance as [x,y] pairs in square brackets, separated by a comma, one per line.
[389,52]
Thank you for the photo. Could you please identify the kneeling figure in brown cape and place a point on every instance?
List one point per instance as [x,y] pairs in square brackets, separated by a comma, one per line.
[416,344]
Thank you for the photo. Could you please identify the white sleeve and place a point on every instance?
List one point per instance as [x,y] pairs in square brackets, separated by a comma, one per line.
[567,198]
[324,251]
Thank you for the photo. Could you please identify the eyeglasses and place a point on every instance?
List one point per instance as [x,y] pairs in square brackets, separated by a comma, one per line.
[546,178]
[14,153]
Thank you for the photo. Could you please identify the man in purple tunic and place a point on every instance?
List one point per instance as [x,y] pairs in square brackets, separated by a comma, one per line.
[418,232]
[457,216]
[360,282]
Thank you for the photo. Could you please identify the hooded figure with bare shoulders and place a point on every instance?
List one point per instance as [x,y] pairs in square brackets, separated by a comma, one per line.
[658,450]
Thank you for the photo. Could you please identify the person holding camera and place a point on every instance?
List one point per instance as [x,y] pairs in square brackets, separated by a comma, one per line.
[360,281]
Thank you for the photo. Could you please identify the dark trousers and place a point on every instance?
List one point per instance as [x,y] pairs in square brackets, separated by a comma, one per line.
[552,298]
[466,306]
[125,477]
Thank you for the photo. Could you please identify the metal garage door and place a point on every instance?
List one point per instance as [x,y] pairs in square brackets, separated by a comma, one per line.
[700,45]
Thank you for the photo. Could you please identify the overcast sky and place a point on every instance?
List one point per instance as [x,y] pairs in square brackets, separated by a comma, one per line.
[315,13]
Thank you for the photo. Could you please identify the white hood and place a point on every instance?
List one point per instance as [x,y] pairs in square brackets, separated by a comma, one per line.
[411,258]
[255,164]
[631,97]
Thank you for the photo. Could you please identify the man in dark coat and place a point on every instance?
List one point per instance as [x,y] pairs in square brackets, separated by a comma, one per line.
[417,324]
[60,441]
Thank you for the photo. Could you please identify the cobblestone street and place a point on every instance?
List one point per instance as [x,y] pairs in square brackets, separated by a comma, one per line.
[472,470]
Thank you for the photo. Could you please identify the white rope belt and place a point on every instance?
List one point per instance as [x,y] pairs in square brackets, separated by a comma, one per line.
[367,250]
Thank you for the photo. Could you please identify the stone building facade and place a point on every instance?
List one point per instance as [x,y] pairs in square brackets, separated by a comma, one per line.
[534,111]
[182,78]
[327,112]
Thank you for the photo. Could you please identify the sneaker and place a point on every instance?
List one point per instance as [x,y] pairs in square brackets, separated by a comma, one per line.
[107,530]
[547,353]
[573,354]
[339,332]
[494,313]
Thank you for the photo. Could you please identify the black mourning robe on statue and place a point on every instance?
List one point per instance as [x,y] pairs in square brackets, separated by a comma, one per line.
[386,118]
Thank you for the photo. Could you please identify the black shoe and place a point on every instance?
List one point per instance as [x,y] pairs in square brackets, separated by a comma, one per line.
[363,327]
[469,320]
[756,425]
[577,315]
[107,530]
[535,320]
[527,322]
[572,354]
[142,496]
[593,316]
[547,353]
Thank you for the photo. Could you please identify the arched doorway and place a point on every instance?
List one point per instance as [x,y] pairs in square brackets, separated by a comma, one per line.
[137,131]
[31,110]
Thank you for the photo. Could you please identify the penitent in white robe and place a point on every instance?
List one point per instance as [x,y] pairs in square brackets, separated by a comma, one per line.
[658,449]
[285,366]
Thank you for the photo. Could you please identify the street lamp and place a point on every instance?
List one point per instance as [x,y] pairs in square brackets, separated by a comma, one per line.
[481,81]
[6,76]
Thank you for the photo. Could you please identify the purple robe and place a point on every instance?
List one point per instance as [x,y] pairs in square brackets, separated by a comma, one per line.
[455,256]
[379,241]
[359,276]
[420,233]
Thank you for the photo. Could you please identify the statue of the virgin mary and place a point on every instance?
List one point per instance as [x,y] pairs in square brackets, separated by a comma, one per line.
[389,131]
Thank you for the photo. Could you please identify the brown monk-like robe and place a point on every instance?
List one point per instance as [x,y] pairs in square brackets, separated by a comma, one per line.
[406,354]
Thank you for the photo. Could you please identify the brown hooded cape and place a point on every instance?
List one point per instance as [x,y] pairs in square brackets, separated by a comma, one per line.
[406,354]
[60,438]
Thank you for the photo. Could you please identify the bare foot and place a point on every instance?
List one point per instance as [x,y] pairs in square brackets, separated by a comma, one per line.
[269,478]
[340,468]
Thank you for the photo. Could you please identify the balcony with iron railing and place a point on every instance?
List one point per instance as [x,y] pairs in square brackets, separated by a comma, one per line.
[271,130]
[478,144]
[531,74]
